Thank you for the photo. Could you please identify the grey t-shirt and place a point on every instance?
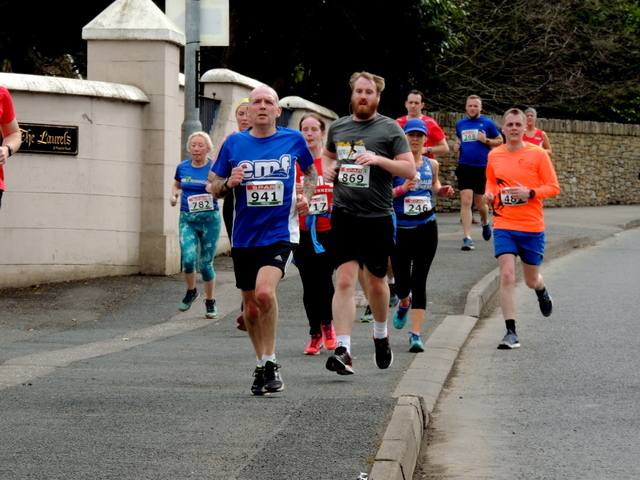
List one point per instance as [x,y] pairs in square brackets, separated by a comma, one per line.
[357,191]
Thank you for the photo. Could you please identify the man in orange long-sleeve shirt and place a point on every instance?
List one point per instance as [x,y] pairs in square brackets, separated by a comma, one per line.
[519,176]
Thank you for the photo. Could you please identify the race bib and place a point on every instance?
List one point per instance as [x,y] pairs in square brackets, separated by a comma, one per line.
[416,205]
[469,135]
[508,200]
[265,194]
[354,176]
[319,204]
[200,203]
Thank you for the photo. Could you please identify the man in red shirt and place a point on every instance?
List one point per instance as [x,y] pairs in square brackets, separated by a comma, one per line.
[9,131]
[436,143]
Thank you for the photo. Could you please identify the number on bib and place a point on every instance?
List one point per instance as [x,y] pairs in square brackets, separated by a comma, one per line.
[416,205]
[508,199]
[265,194]
[354,176]
[200,203]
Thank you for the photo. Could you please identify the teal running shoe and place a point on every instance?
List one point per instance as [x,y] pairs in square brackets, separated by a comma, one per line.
[400,317]
[415,343]
[189,298]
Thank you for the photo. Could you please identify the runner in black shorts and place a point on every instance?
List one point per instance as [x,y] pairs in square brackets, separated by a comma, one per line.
[264,234]
[471,178]
[348,244]
[476,135]
[362,154]
[247,262]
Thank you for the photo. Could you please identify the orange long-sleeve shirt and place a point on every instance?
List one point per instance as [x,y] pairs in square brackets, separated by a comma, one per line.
[530,167]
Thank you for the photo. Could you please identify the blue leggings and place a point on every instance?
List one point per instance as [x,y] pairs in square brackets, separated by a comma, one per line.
[202,227]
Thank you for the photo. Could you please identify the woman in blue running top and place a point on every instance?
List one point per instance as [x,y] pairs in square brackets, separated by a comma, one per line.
[417,233]
[199,221]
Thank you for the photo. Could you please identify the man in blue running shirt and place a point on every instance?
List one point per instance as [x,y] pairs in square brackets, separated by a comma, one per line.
[476,136]
[259,164]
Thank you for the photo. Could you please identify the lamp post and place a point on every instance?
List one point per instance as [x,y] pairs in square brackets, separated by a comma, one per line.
[191,122]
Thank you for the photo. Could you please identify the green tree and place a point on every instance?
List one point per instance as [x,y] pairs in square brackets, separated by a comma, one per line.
[569,58]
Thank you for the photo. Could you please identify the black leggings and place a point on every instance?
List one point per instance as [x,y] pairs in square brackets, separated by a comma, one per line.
[316,273]
[411,261]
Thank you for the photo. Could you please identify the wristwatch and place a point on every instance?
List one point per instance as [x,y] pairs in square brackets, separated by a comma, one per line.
[429,150]
[9,149]
[532,193]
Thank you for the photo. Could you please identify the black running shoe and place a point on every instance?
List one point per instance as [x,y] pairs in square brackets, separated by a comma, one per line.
[384,355]
[258,382]
[340,362]
[546,304]
[272,380]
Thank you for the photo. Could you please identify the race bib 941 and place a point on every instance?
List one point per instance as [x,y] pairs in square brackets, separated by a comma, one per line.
[265,194]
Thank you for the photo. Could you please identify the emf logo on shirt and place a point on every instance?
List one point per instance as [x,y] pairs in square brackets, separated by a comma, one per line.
[276,168]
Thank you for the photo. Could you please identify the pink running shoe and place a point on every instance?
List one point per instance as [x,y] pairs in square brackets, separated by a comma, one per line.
[315,344]
[329,336]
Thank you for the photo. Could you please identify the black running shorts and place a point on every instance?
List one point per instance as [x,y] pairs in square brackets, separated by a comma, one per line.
[368,240]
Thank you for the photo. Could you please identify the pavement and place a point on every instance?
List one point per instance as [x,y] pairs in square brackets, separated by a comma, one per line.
[70,331]
[419,389]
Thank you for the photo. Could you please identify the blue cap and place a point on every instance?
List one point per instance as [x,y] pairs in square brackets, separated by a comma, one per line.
[415,125]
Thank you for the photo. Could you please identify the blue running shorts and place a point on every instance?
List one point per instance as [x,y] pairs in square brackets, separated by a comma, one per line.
[529,246]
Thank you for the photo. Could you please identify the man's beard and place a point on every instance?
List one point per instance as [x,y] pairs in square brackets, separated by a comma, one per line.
[364,112]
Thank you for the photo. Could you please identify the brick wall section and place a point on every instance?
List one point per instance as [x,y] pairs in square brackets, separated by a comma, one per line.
[597,163]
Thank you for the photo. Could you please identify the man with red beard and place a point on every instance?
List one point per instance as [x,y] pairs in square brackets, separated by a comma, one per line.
[364,151]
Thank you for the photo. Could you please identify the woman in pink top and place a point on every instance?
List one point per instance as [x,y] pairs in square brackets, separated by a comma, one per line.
[535,135]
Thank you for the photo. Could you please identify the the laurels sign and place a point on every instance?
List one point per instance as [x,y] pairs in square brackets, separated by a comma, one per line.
[49,139]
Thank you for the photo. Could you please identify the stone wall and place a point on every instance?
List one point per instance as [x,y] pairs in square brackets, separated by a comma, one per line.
[596,163]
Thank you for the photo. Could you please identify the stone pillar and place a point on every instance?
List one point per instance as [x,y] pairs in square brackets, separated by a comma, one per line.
[132,42]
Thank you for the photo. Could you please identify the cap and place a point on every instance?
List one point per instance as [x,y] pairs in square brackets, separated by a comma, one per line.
[244,101]
[531,110]
[415,125]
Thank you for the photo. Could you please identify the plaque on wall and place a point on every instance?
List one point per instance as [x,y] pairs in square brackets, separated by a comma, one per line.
[49,139]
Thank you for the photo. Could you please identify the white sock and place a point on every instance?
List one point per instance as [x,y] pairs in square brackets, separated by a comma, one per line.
[344,341]
[266,358]
[380,329]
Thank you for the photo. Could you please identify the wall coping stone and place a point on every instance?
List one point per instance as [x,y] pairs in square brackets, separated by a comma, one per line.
[71,86]
[223,75]
[301,103]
